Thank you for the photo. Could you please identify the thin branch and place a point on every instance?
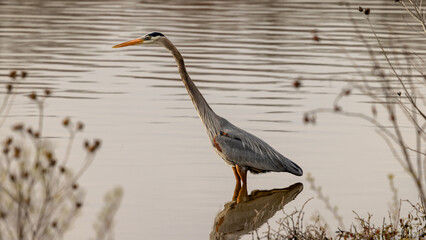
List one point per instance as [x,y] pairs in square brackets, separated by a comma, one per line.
[407,94]
[416,151]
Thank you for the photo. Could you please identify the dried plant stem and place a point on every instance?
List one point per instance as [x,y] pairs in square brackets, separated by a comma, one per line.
[407,94]
[384,95]
[417,176]
[69,146]
[4,111]
[417,14]
[4,103]
[40,116]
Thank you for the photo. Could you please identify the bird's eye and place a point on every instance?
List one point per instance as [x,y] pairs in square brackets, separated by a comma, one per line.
[148,38]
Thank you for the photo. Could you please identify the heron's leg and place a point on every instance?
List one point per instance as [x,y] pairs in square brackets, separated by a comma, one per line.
[237,176]
[237,184]
[242,172]
[236,191]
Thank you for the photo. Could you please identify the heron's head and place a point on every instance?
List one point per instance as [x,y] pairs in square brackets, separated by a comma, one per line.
[149,38]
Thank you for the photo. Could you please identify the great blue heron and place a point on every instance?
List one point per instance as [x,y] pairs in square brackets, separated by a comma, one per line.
[240,149]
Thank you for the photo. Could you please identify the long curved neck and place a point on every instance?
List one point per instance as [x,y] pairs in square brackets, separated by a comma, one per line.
[208,117]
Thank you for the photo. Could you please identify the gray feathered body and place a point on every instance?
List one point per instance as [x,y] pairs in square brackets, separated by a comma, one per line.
[234,145]
[238,147]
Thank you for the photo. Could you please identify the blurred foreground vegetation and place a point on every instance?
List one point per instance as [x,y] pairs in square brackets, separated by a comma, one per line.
[397,93]
[40,196]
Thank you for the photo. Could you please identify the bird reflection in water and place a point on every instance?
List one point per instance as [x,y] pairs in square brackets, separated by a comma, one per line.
[246,213]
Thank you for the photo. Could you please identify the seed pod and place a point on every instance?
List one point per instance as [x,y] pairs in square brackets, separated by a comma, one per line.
[48,155]
[78,204]
[16,152]
[347,92]
[52,162]
[25,175]
[97,143]
[367,11]
[80,126]
[6,150]
[86,144]
[306,118]
[12,177]
[297,83]
[8,141]
[18,127]
[13,74]
[33,96]
[30,131]
[66,122]
[337,108]
[9,88]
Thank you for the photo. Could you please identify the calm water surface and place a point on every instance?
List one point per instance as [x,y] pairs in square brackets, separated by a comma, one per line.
[244,57]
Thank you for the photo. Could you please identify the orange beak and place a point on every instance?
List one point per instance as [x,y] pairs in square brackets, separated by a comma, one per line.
[129,43]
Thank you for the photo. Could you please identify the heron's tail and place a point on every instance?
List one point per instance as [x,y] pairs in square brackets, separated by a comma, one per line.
[291,167]
[295,169]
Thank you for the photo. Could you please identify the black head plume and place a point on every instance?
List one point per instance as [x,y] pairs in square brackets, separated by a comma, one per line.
[155,34]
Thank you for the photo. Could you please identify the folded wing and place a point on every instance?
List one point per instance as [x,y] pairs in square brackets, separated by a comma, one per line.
[247,150]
